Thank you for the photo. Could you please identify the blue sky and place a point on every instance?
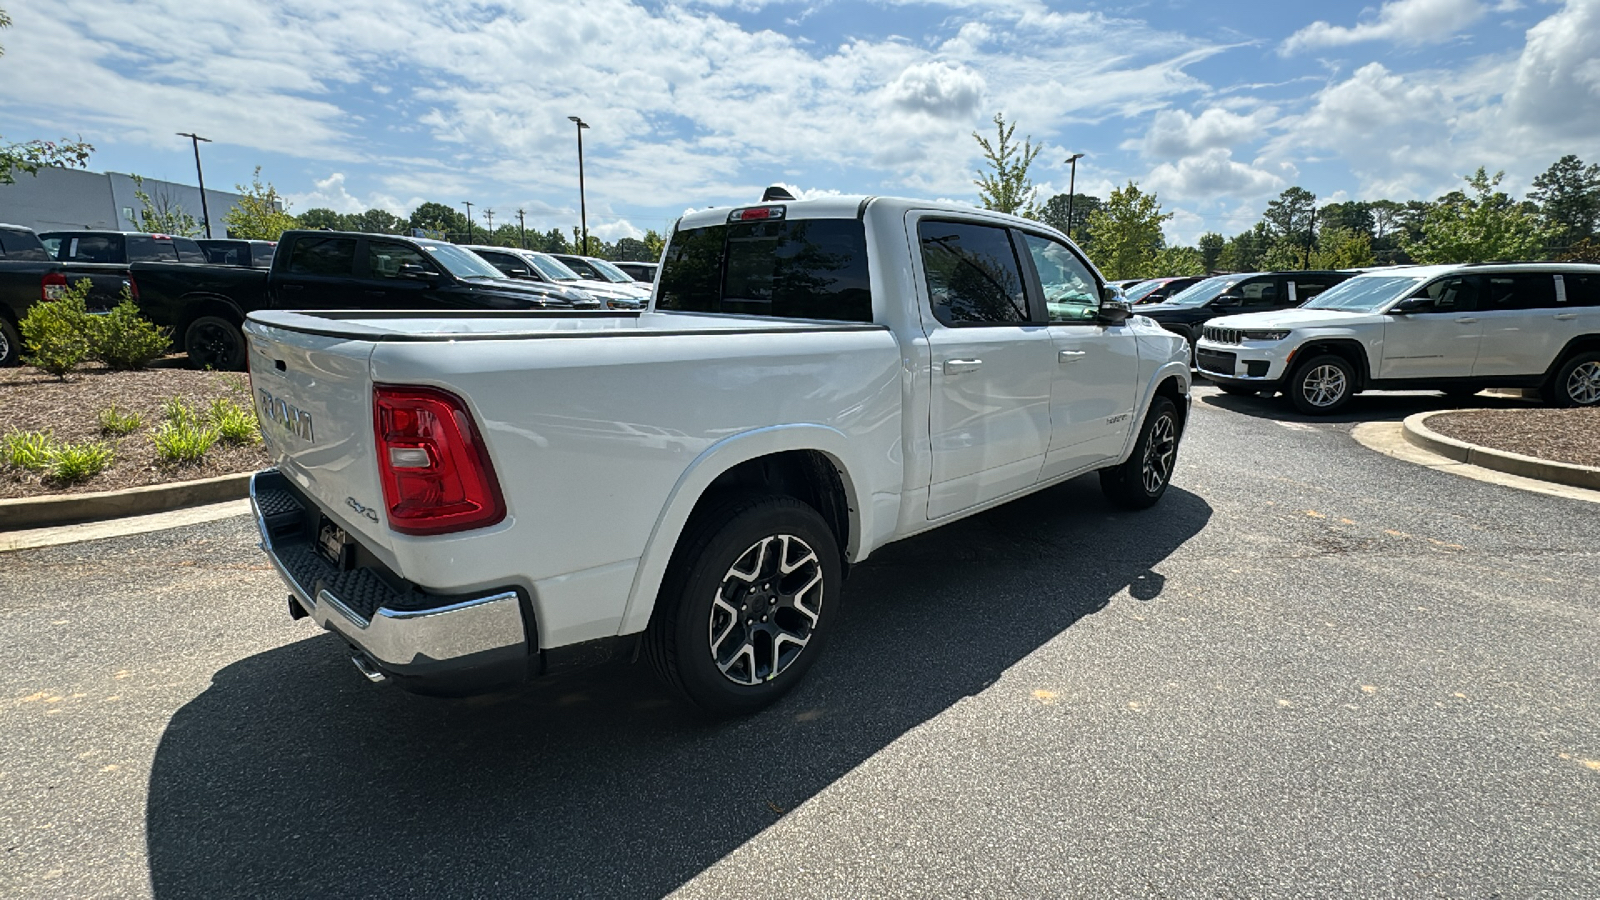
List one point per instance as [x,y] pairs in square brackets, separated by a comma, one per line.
[1215,107]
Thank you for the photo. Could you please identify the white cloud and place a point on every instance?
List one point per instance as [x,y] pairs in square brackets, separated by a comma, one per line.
[938,89]
[1211,176]
[1174,134]
[1556,88]
[1402,21]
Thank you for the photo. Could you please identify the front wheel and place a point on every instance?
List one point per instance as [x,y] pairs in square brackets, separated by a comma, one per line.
[745,604]
[1322,384]
[213,342]
[1576,382]
[1139,482]
[10,344]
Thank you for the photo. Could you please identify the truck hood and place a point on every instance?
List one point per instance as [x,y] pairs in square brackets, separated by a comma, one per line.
[1295,317]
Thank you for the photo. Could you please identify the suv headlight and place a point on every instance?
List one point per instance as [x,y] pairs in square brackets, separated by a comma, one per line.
[1264,334]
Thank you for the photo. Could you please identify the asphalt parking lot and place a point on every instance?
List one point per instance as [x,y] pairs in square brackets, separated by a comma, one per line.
[1311,670]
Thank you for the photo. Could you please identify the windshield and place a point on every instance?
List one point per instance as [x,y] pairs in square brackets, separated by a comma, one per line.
[463,263]
[612,273]
[1205,291]
[1365,293]
[551,268]
[1142,289]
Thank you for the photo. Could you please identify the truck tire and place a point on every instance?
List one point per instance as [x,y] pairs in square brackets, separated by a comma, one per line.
[213,342]
[1322,384]
[745,603]
[1576,382]
[10,344]
[1140,480]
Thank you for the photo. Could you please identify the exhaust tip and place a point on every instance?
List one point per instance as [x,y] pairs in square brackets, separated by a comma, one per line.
[367,667]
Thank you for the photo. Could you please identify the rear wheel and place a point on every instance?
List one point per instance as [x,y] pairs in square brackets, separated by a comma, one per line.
[213,342]
[746,603]
[10,343]
[1322,384]
[1576,382]
[1140,481]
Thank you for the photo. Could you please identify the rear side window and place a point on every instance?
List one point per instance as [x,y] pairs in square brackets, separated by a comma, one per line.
[188,250]
[21,246]
[148,249]
[1517,291]
[801,269]
[973,277]
[333,256]
[94,248]
[262,253]
[1581,290]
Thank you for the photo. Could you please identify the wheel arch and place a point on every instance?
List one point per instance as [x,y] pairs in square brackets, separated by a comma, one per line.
[807,462]
[1583,343]
[197,305]
[1348,349]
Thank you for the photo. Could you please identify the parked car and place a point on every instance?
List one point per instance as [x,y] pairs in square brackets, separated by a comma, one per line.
[522,265]
[534,266]
[28,275]
[1122,284]
[1157,290]
[205,304]
[600,270]
[120,247]
[1185,312]
[234,252]
[1457,329]
[639,271]
[472,505]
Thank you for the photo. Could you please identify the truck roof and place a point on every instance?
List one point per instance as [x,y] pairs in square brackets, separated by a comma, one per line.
[853,206]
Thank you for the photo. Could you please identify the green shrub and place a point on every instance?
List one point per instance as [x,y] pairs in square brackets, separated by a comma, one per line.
[235,424]
[55,333]
[114,422]
[74,462]
[28,450]
[176,412]
[183,443]
[123,339]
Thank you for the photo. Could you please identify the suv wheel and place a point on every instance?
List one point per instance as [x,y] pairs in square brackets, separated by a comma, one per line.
[1577,382]
[10,343]
[745,604]
[1139,481]
[1322,384]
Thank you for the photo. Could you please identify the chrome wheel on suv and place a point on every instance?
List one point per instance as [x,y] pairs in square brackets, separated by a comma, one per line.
[765,609]
[1583,383]
[1322,384]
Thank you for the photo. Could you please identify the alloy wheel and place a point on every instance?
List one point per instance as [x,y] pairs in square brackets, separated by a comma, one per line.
[765,609]
[1324,385]
[213,345]
[1583,385]
[1159,453]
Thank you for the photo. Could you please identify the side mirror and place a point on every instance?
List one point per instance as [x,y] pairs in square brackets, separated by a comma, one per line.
[1113,310]
[1228,300]
[413,270]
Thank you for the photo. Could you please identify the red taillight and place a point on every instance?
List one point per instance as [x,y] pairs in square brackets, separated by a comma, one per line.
[53,286]
[133,288]
[437,477]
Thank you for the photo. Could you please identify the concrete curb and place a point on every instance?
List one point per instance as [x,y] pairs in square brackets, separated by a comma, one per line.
[1418,433]
[68,509]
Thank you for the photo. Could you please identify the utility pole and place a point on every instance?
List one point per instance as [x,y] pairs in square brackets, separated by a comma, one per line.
[522,230]
[469,220]
[205,213]
[583,208]
[1072,188]
[488,216]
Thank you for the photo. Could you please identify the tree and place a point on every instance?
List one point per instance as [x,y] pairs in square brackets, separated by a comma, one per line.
[1244,251]
[260,215]
[1291,219]
[1488,225]
[552,241]
[1351,215]
[1054,214]
[1177,261]
[29,157]
[322,218]
[630,248]
[376,221]
[440,221]
[1568,194]
[1211,245]
[1006,187]
[654,244]
[1127,233]
[162,214]
[1342,248]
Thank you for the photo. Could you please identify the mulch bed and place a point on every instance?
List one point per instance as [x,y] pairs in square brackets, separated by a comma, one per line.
[31,400]
[1559,435]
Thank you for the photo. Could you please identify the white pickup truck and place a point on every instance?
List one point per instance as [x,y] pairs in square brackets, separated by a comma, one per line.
[470,499]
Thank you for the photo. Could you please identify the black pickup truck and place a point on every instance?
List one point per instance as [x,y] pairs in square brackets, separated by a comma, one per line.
[205,304]
[28,275]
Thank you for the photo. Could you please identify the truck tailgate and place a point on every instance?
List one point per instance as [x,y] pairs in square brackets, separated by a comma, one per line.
[313,394]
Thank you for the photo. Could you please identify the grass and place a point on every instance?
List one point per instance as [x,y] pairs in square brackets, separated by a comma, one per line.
[183,442]
[29,450]
[117,423]
[235,424]
[70,463]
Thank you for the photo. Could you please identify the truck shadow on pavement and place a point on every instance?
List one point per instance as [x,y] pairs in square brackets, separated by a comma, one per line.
[291,776]
[1373,406]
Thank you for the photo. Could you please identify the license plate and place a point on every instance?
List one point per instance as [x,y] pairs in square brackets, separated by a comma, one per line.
[333,543]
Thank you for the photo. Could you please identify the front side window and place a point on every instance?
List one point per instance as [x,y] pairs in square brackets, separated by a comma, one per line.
[1070,294]
[802,269]
[1256,294]
[972,274]
[1447,295]
[385,259]
[326,256]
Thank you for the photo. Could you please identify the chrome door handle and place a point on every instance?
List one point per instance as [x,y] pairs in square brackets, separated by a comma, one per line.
[1067,356]
[957,366]
[1469,320]
[1565,316]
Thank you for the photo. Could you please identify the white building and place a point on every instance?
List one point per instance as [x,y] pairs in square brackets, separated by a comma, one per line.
[58,199]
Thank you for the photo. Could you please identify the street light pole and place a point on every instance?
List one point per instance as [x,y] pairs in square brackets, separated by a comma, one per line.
[583,207]
[469,221]
[205,213]
[1072,188]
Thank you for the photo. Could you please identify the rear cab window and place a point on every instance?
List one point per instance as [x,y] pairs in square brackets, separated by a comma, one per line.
[187,250]
[783,268]
[973,274]
[17,245]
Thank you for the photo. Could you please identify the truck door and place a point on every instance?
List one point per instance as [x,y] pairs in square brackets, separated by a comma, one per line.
[320,274]
[399,277]
[1092,394]
[993,363]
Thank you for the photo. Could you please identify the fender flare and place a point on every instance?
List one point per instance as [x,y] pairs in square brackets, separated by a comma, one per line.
[1173,369]
[705,469]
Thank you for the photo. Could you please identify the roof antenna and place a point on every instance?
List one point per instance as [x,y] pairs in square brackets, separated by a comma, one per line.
[776,192]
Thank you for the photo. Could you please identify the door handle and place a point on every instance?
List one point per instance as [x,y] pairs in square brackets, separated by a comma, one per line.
[957,366]
[291,287]
[1565,316]
[1469,320]
[1067,356]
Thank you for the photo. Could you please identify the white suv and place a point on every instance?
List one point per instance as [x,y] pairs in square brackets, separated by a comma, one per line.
[1456,329]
